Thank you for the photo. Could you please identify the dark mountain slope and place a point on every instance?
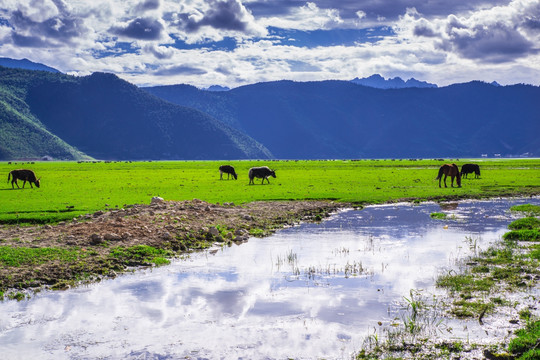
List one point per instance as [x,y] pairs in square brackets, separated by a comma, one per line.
[25,64]
[109,118]
[337,119]
[22,135]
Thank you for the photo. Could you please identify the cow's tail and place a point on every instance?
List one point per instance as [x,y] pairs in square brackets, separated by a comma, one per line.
[440,173]
[8,177]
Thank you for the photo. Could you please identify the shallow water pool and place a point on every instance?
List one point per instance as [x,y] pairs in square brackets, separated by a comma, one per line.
[310,291]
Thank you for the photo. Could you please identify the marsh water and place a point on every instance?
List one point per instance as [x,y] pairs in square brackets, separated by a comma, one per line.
[309,291]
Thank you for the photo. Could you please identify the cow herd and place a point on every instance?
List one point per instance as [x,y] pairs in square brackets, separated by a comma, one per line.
[261,172]
[264,172]
[452,170]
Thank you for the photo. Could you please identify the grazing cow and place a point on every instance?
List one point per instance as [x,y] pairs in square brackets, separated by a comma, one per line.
[262,172]
[227,169]
[25,175]
[469,169]
[449,170]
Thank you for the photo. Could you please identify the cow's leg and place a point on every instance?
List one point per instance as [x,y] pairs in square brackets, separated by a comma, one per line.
[220,175]
[451,180]
[14,181]
[445,176]
[24,183]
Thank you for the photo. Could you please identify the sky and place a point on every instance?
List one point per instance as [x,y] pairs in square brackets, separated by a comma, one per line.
[238,42]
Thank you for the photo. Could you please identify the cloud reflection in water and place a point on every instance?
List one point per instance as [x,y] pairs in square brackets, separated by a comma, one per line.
[288,295]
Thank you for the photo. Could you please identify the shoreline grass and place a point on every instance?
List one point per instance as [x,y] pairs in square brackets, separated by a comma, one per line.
[511,265]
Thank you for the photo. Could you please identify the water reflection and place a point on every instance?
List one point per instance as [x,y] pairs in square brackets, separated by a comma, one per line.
[312,291]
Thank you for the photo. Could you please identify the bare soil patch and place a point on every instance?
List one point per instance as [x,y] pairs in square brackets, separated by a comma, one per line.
[177,227]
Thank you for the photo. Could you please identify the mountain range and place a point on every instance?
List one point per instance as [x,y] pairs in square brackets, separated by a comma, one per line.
[101,116]
[340,119]
[377,81]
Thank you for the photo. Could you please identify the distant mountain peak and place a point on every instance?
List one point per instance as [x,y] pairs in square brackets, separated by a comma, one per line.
[379,82]
[25,64]
[218,88]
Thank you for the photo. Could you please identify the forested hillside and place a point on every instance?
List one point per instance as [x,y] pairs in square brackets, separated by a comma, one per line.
[22,135]
[108,118]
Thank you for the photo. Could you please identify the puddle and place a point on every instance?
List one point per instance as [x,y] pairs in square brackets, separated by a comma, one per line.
[312,291]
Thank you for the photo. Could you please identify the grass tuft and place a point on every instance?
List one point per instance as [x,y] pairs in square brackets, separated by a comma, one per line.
[525,223]
[23,256]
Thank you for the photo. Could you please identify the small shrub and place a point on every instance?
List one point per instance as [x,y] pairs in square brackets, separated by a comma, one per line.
[23,256]
[159,261]
[535,254]
[527,208]
[257,232]
[524,345]
[525,223]
[523,235]
[141,254]
[525,314]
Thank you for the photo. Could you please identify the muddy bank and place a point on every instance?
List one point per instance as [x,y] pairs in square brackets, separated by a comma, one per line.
[101,244]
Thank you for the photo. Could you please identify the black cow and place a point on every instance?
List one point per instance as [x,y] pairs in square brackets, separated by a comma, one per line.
[25,175]
[469,169]
[262,172]
[227,169]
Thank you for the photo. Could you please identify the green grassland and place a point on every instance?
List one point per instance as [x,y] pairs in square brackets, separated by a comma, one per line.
[69,189]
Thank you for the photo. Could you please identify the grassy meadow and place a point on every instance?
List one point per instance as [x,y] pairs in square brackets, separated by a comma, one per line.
[69,189]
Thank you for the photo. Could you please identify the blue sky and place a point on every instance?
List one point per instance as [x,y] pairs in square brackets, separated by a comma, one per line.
[237,42]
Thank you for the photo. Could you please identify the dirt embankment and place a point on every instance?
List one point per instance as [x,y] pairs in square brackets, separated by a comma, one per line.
[176,227]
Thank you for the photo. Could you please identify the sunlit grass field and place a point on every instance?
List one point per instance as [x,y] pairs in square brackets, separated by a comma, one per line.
[69,189]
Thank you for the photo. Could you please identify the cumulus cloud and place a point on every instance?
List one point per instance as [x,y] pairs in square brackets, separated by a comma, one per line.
[499,34]
[51,25]
[160,52]
[140,28]
[494,43]
[147,5]
[214,19]
[382,12]
[180,70]
[306,17]
[424,28]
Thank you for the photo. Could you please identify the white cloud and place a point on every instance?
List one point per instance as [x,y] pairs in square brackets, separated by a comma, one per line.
[307,17]
[213,20]
[496,35]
